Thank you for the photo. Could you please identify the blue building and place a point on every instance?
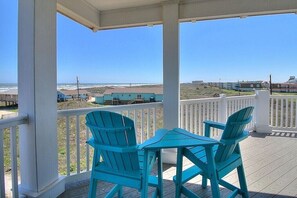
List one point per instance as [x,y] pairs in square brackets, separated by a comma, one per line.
[130,95]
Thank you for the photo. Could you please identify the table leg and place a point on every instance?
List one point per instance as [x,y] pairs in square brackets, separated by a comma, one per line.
[145,175]
[212,170]
[179,166]
[160,173]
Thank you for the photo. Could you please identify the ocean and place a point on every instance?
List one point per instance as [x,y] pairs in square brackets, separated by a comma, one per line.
[71,86]
[8,86]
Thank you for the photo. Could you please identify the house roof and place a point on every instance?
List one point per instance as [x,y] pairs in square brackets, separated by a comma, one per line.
[74,92]
[155,90]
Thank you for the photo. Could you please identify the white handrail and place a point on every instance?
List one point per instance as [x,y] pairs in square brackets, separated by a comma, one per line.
[11,124]
[119,108]
[15,121]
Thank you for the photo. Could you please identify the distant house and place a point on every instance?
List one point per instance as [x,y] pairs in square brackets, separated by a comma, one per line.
[288,87]
[292,79]
[130,95]
[9,97]
[239,86]
[63,95]
[198,82]
[250,85]
[225,85]
[284,87]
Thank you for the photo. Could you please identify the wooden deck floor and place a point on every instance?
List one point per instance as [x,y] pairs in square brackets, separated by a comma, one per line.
[270,162]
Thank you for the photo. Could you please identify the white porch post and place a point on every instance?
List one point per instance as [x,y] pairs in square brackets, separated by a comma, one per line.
[37,74]
[171,72]
[262,112]
[171,65]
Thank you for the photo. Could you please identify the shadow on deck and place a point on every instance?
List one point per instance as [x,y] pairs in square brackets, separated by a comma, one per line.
[270,162]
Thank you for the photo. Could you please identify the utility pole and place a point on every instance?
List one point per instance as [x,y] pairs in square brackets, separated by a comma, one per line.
[270,85]
[77,84]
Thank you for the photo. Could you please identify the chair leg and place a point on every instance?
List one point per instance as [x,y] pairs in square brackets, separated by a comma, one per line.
[242,181]
[179,166]
[120,192]
[145,177]
[160,174]
[212,171]
[204,181]
[93,188]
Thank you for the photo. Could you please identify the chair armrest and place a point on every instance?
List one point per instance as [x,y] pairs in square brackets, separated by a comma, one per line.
[243,136]
[118,149]
[212,124]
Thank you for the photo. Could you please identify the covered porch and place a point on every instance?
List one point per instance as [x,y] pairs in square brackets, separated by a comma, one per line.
[37,83]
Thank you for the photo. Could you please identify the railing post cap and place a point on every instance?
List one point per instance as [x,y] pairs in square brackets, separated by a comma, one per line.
[261,92]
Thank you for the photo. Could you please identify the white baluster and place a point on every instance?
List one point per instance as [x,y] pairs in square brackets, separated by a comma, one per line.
[291,113]
[191,117]
[271,111]
[2,179]
[14,165]
[68,145]
[87,149]
[77,144]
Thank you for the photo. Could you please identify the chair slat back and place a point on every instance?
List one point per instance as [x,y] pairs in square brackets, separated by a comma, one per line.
[113,129]
[235,126]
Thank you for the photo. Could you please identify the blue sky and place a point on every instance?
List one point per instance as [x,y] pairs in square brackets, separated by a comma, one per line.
[227,50]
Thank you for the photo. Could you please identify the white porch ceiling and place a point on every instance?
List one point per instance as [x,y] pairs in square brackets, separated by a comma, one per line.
[109,14]
[119,4]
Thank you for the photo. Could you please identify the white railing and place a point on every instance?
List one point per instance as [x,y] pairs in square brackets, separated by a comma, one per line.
[236,103]
[283,112]
[75,155]
[9,130]
[194,112]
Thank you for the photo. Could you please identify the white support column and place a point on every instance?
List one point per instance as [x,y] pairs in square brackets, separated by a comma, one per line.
[171,85]
[262,112]
[171,66]
[37,85]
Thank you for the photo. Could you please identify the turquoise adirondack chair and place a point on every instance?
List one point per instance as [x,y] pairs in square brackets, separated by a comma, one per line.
[227,156]
[117,158]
